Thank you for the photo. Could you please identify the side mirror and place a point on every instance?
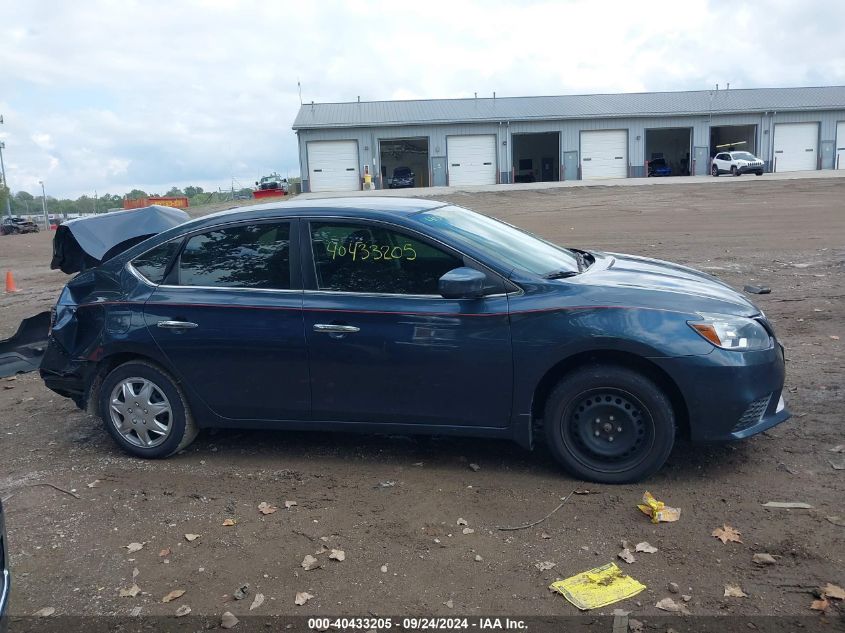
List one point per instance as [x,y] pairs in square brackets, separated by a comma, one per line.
[462,283]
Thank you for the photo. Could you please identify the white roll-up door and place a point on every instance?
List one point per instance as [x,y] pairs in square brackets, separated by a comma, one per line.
[604,154]
[840,146]
[471,159]
[333,166]
[796,146]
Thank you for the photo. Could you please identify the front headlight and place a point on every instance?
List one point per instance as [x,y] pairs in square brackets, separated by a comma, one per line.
[732,332]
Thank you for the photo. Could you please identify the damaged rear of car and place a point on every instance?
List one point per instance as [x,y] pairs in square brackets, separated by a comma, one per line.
[79,319]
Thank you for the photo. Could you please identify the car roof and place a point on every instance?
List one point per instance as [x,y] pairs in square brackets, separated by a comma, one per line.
[364,206]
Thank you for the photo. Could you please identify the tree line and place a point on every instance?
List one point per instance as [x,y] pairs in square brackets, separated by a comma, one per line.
[24,203]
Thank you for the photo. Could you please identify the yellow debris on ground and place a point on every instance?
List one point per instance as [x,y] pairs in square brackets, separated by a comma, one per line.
[657,510]
[597,587]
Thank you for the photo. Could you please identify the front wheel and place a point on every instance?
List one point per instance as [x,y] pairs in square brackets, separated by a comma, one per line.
[145,411]
[758,173]
[609,425]
[715,171]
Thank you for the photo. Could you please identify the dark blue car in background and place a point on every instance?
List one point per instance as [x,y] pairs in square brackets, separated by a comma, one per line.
[411,316]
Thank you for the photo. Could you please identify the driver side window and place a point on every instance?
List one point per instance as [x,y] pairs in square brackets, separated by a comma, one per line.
[368,258]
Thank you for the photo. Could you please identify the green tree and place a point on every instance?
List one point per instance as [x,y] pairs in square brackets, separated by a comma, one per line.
[174,192]
[192,191]
[137,193]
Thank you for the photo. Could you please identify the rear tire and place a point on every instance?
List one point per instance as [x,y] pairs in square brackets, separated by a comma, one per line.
[122,396]
[715,171]
[758,173]
[609,424]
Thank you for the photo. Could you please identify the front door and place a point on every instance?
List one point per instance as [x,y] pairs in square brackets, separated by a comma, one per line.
[438,171]
[229,319]
[385,347]
[570,165]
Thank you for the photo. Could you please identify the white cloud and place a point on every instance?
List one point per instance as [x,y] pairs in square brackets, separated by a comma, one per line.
[110,96]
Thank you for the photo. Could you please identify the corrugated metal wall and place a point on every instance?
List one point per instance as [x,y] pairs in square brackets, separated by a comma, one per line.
[570,136]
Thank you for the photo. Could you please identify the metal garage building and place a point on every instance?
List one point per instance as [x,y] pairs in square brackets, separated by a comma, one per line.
[484,141]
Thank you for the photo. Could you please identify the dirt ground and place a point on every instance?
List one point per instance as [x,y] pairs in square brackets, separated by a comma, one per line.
[392,503]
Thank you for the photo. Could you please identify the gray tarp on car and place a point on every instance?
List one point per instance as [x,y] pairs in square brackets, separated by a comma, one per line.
[87,242]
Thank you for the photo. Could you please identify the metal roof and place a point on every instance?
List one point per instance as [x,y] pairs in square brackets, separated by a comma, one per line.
[695,102]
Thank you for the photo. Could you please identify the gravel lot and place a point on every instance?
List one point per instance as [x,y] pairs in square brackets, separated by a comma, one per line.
[392,503]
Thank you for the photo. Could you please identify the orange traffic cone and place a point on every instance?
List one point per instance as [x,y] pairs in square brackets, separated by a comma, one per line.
[10,282]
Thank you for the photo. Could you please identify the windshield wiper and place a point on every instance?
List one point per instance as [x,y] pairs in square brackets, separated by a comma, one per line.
[561,274]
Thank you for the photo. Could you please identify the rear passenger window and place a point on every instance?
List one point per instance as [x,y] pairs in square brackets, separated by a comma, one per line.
[153,264]
[247,256]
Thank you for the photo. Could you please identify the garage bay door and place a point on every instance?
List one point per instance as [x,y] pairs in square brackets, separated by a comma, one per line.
[472,160]
[796,146]
[604,154]
[333,166]
[840,145]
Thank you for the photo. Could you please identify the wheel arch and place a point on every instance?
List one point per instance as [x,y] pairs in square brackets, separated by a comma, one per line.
[107,364]
[612,357]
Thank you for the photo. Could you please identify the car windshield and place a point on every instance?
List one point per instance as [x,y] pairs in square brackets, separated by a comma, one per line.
[401,172]
[500,241]
[744,156]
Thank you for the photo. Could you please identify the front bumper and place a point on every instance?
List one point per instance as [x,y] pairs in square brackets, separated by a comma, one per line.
[730,395]
[750,169]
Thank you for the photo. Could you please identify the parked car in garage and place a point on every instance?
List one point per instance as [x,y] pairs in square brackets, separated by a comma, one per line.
[658,167]
[411,316]
[403,177]
[12,225]
[5,576]
[736,164]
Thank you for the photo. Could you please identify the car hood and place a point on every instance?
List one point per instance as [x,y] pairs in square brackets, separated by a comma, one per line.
[698,291]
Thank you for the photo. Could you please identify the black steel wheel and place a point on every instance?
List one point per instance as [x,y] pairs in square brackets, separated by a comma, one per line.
[609,424]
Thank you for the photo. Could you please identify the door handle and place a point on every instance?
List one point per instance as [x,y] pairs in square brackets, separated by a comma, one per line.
[333,328]
[176,325]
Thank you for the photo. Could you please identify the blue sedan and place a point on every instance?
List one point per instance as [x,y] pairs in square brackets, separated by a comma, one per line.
[411,316]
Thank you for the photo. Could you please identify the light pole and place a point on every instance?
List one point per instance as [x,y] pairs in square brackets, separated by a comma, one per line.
[44,206]
[7,191]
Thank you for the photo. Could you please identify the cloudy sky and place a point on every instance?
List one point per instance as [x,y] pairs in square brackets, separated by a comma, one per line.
[110,96]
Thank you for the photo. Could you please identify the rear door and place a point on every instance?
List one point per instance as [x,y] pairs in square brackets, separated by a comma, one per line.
[385,347]
[229,319]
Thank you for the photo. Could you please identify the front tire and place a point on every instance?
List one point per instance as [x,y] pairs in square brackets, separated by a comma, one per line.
[609,424]
[715,171]
[758,173]
[145,411]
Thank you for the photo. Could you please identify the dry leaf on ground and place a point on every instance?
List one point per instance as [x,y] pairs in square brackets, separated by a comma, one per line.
[165,552]
[290,504]
[192,537]
[763,559]
[176,593]
[265,508]
[734,591]
[544,565]
[257,601]
[788,505]
[819,605]
[94,483]
[646,547]
[309,562]
[837,520]
[183,611]
[727,533]
[133,591]
[134,547]
[833,591]
[302,597]
[229,522]
[338,555]
[627,556]
[45,612]
[667,604]
[467,530]
[228,620]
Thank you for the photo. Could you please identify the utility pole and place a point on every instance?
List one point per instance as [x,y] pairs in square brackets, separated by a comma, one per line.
[44,206]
